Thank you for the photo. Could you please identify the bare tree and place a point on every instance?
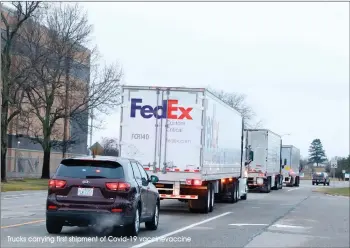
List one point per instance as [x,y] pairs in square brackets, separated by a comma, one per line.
[12,69]
[66,81]
[110,146]
[238,102]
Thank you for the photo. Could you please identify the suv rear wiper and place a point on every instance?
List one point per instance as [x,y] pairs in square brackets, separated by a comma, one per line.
[95,177]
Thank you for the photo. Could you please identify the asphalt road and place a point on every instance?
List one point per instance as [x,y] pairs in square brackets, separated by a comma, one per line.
[291,217]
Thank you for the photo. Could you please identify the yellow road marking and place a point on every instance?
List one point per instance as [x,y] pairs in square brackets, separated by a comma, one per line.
[23,224]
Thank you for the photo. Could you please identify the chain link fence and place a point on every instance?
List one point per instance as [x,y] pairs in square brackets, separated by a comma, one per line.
[30,167]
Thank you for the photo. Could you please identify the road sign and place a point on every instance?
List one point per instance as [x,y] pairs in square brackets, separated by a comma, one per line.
[96,149]
[334,164]
[343,171]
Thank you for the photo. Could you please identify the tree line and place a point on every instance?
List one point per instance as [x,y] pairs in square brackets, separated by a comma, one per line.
[52,74]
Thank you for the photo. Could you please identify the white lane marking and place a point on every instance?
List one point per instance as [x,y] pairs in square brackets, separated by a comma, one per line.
[6,197]
[179,230]
[293,189]
[246,224]
[34,205]
[203,228]
[286,226]
[255,207]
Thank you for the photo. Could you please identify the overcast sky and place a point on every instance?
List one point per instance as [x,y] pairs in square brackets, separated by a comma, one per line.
[290,59]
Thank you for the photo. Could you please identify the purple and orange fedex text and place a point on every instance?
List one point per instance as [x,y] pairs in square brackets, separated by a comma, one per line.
[169,109]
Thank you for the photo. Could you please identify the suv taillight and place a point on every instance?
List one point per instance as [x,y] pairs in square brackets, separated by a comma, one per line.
[57,184]
[118,186]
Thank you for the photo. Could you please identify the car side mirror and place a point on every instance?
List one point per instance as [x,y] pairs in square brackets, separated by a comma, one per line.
[251,155]
[154,179]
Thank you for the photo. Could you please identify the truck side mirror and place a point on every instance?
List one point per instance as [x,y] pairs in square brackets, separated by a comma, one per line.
[251,156]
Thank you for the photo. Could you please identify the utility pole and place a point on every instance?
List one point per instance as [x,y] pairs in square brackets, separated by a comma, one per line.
[0,93]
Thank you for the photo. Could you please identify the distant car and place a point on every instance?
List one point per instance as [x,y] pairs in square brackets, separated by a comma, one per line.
[105,191]
[320,178]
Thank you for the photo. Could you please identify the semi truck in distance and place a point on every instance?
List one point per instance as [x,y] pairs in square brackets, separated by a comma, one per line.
[264,166]
[291,165]
[191,140]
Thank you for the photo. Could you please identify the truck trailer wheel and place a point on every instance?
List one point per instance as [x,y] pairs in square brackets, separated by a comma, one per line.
[267,186]
[233,191]
[276,183]
[203,204]
[297,180]
[291,183]
[212,197]
[280,186]
[237,192]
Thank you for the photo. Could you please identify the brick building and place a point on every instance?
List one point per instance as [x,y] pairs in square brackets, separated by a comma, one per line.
[25,157]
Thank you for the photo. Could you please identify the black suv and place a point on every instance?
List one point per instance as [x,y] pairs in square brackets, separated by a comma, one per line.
[108,192]
[320,178]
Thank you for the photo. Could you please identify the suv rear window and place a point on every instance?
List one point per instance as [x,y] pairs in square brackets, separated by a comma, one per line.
[90,169]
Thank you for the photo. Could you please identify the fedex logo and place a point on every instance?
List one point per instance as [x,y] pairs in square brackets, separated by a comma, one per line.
[168,110]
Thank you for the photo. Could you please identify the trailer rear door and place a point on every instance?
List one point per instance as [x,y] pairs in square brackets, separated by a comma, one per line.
[162,127]
[181,132]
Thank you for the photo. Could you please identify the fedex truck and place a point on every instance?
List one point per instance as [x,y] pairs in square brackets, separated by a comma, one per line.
[264,169]
[291,165]
[191,140]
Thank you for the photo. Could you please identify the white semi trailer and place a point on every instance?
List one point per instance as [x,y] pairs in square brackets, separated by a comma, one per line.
[291,165]
[264,169]
[190,139]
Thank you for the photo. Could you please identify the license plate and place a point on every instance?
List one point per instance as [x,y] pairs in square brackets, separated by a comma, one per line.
[85,192]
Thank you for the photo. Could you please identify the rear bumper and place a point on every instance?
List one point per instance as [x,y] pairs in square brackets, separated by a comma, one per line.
[318,181]
[83,218]
[255,182]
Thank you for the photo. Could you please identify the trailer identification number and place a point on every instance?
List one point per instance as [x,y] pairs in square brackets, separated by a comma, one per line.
[140,136]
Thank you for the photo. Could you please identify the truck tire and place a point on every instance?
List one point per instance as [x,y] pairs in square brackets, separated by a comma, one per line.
[202,205]
[297,181]
[276,184]
[212,197]
[267,186]
[233,197]
[291,183]
[237,192]
[280,186]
